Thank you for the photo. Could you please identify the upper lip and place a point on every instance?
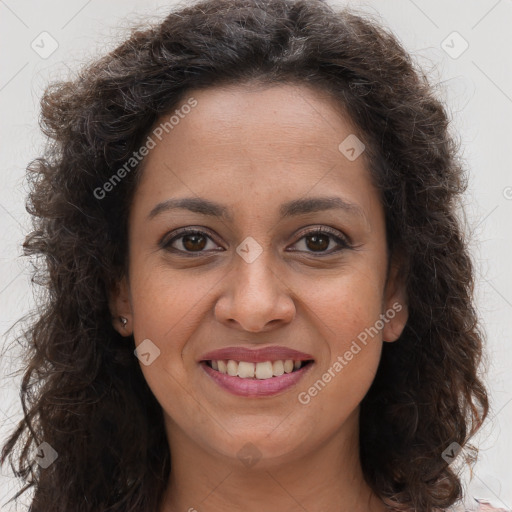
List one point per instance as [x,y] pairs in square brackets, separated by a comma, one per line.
[260,355]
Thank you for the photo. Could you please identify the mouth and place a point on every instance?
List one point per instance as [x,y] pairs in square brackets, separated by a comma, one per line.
[260,370]
[260,379]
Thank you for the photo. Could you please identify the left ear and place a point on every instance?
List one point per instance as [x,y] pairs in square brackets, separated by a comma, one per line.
[395,300]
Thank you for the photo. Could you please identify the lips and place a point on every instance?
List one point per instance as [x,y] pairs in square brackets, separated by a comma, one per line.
[260,355]
[256,372]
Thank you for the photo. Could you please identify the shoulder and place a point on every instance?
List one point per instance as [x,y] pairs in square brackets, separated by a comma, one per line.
[479,505]
[485,506]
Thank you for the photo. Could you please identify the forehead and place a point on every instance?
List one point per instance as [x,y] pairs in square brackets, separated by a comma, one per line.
[275,116]
[257,141]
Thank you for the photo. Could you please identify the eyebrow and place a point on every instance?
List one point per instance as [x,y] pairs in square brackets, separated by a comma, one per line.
[289,209]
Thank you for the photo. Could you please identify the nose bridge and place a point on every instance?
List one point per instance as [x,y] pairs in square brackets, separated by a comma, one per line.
[257,294]
[253,270]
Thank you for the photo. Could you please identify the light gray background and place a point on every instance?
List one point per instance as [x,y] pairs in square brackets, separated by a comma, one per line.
[477,86]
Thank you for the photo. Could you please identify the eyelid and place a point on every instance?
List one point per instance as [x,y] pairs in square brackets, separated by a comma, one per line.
[335,233]
[166,240]
[342,241]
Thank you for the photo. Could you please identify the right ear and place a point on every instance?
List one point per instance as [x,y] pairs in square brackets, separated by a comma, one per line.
[396,300]
[120,307]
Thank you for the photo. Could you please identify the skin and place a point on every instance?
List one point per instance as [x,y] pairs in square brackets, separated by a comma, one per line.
[252,149]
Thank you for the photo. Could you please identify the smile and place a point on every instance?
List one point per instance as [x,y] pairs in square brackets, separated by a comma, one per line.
[260,379]
[263,371]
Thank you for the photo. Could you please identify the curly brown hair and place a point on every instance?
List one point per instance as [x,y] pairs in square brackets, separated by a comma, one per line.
[82,381]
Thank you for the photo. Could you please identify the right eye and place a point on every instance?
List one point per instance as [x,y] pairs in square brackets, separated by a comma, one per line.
[188,241]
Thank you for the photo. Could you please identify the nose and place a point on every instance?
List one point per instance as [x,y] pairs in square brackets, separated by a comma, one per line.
[256,298]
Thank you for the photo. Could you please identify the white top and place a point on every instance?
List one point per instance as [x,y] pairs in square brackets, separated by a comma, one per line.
[480,505]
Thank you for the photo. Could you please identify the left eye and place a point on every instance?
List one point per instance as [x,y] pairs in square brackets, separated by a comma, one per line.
[195,241]
[320,239]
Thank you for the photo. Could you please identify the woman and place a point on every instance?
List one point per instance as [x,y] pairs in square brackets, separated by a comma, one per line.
[259,294]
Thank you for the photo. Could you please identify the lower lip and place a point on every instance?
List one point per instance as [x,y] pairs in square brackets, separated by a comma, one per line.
[256,387]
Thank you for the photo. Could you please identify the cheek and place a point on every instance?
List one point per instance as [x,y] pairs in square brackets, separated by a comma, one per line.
[344,305]
[165,305]
[166,311]
[347,314]
[351,357]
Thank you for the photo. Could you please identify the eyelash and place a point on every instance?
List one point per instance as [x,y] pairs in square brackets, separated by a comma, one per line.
[333,234]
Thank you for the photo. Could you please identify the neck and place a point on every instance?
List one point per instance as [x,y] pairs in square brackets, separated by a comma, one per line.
[327,479]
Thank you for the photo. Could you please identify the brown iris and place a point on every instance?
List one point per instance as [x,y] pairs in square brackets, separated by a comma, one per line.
[190,241]
[319,241]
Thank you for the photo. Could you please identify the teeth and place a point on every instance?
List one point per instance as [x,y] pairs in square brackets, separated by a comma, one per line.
[245,370]
[222,366]
[278,368]
[232,368]
[288,366]
[262,371]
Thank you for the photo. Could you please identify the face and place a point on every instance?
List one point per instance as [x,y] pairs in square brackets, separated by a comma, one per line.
[287,253]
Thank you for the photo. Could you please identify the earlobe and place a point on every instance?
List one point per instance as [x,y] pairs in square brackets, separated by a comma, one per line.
[120,307]
[396,322]
[395,301]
